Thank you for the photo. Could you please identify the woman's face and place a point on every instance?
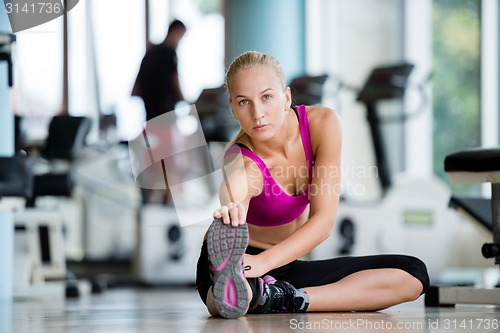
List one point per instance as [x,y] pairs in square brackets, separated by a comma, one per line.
[259,102]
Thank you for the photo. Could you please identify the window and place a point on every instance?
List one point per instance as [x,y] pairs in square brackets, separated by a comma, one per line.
[456,80]
[117,46]
[106,42]
[38,76]
[201,52]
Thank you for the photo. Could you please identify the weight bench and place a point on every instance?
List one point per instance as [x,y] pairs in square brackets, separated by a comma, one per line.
[479,165]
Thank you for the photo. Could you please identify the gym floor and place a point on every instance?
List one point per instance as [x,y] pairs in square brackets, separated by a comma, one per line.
[180,310]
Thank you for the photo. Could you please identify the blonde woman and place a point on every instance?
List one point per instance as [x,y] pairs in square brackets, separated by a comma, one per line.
[280,205]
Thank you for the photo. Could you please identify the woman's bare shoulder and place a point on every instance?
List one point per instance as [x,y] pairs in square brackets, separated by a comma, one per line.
[323,122]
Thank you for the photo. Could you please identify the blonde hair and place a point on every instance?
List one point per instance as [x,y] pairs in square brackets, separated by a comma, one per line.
[251,59]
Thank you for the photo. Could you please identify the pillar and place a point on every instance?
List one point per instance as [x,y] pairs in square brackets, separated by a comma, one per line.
[275,27]
[6,218]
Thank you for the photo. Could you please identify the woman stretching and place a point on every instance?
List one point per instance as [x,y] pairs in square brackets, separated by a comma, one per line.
[280,204]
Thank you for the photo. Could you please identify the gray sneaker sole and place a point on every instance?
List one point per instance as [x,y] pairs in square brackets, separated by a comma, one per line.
[227,244]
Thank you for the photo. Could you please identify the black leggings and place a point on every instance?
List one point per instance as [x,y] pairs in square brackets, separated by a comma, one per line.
[314,273]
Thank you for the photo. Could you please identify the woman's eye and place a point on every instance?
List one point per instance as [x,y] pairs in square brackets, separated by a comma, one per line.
[243,102]
[266,97]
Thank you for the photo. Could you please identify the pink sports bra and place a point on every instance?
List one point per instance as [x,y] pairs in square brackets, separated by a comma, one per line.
[273,206]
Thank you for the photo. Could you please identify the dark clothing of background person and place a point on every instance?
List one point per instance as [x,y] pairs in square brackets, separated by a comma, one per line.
[155,79]
[158,81]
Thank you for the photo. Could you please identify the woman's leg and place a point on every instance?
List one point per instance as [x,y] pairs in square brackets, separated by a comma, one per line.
[340,284]
[357,283]
[366,290]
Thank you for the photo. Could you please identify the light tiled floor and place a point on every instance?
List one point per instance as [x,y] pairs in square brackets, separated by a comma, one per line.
[180,310]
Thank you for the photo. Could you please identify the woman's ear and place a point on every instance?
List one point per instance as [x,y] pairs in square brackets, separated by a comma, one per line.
[288,97]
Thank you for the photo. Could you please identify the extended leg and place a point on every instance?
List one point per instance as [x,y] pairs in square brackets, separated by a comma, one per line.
[366,290]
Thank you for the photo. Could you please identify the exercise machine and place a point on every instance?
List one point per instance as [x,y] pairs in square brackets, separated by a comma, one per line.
[39,261]
[307,89]
[168,252]
[39,265]
[474,166]
[410,209]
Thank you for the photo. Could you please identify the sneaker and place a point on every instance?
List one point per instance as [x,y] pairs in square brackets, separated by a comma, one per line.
[226,246]
[280,296]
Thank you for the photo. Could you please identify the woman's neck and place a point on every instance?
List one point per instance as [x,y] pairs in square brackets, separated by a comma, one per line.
[280,143]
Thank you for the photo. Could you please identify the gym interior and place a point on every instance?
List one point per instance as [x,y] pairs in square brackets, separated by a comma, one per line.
[416,86]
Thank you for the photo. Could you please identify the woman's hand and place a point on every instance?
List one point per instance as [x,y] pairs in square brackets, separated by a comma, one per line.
[231,214]
[254,266]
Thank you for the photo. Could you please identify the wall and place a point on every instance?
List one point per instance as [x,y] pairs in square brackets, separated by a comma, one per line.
[6,220]
[276,27]
[6,117]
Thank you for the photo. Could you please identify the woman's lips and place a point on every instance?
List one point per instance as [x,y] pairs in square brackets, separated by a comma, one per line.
[260,127]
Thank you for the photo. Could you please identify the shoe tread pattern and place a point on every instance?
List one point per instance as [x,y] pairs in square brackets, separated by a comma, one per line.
[220,239]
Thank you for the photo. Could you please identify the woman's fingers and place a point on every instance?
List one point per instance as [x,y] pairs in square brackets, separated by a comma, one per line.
[217,214]
[241,214]
[224,210]
[231,214]
[234,216]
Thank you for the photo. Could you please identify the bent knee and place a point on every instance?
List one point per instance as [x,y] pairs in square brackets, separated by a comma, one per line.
[411,287]
[418,270]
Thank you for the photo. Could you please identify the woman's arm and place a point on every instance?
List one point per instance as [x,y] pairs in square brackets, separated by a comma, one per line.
[326,141]
[241,181]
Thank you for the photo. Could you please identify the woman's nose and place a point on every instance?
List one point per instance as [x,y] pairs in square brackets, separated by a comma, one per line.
[258,112]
